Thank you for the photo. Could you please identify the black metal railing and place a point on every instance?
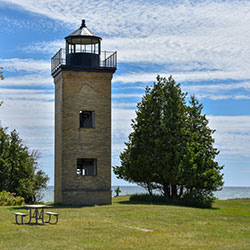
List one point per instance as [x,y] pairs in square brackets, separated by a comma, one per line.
[107,59]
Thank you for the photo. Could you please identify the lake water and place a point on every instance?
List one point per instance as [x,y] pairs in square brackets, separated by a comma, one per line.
[224,194]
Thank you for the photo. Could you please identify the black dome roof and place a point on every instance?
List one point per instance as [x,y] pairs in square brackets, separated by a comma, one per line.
[83,36]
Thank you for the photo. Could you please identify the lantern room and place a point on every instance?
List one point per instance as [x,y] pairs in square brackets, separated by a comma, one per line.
[83,48]
[83,51]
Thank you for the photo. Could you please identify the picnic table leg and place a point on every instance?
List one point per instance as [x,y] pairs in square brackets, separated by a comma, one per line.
[29,217]
[56,220]
[37,214]
[17,220]
[22,219]
[48,221]
[42,215]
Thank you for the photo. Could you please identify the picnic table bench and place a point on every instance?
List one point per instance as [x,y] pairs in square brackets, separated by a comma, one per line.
[21,215]
[52,214]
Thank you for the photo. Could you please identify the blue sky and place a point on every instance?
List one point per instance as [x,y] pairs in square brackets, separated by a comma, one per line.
[204,45]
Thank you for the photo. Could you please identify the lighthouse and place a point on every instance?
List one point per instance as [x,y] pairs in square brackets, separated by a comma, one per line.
[82,75]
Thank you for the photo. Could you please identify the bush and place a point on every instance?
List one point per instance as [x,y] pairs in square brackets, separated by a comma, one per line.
[9,199]
[117,191]
[197,199]
[148,198]
[200,198]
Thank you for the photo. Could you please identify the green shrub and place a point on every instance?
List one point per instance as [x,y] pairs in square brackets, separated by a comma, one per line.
[117,191]
[199,199]
[9,199]
[148,198]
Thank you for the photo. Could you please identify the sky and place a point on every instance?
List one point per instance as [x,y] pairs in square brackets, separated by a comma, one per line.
[204,45]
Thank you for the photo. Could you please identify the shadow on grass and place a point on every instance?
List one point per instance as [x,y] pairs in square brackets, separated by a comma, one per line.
[127,202]
[33,224]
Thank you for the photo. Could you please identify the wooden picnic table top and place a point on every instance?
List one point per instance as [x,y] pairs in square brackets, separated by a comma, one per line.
[37,206]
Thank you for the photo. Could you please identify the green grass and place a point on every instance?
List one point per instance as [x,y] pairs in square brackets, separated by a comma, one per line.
[120,226]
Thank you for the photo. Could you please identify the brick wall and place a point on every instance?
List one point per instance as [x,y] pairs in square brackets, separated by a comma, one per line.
[76,91]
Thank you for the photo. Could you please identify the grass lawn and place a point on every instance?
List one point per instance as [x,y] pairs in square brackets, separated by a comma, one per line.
[126,225]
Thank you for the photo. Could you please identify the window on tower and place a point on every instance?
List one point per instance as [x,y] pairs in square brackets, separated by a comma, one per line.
[86,167]
[87,119]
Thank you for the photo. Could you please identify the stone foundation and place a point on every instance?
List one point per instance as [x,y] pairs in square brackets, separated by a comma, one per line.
[87,197]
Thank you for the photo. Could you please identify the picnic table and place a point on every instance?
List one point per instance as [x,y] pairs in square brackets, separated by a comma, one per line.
[37,212]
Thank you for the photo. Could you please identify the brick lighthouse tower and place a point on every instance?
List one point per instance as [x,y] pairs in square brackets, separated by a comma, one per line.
[82,76]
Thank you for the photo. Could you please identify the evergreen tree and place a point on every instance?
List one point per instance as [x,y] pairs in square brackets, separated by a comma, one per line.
[155,148]
[171,146]
[201,170]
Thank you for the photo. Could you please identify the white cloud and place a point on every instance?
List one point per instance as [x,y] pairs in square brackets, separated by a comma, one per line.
[207,60]
[232,135]
[129,95]
[16,24]
[36,72]
[220,91]
[30,65]
[222,97]
[27,113]
[33,80]
[26,94]
[209,38]
[181,76]
[219,86]
[230,124]
[124,105]
[33,119]
[241,97]
[46,47]
[217,91]
[121,120]
[144,17]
